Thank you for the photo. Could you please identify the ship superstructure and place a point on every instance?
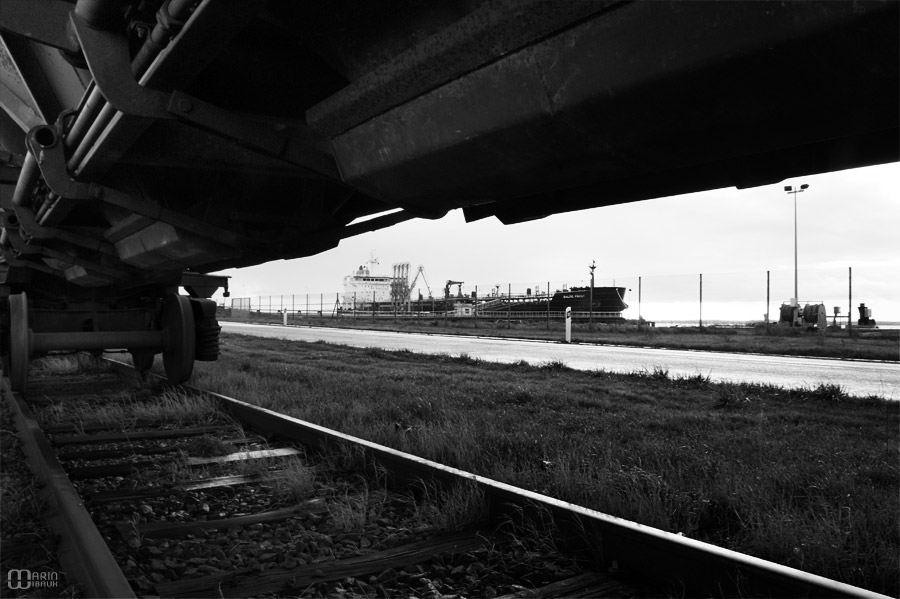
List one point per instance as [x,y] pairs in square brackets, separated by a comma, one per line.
[364,287]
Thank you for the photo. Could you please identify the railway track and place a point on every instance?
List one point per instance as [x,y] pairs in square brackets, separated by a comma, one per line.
[174,492]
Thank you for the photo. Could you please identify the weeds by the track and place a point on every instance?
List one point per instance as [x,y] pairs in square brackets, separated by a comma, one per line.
[27,542]
[295,482]
[173,406]
[61,364]
[804,477]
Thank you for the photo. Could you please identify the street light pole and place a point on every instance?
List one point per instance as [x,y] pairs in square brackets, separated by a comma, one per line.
[789,189]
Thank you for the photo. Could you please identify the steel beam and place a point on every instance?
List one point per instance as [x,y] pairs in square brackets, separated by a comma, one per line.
[16,95]
[494,29]
[97,340]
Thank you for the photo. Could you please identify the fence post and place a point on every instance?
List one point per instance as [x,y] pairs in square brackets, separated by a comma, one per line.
[850,301]
[701,300]
[591,299]
[475,307]
[508,303]
[639,303]
[373,304]
[548,305]
[768,296]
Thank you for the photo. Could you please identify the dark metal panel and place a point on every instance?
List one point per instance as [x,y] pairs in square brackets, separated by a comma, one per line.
[296,144]
[44,21]
[12,139]
[209,29]
[67,81]
[742,172]
[643,90]
[53,170]
[16,95]
[490,31]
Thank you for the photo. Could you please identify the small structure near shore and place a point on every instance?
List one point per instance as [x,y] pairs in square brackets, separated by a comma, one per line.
[810,315]
[865,317]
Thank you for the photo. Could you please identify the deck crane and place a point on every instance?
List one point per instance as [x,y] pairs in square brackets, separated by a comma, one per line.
[412,285]
[458,289]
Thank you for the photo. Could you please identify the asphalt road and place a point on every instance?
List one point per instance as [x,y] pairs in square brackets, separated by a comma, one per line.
[856,377]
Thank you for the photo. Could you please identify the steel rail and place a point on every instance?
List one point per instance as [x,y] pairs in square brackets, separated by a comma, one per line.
[658,554]
[83,552]
[694,567]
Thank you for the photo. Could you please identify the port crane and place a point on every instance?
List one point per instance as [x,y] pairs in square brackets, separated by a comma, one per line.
[450,284]
[412,285]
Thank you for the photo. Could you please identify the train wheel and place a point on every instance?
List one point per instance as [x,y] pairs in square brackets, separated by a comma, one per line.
[19,334]
[178,323]
[142,360]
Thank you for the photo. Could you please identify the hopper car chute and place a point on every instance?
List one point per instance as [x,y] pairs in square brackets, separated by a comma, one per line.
[145,144]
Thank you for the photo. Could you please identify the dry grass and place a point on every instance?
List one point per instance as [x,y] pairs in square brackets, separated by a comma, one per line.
[460,507]
[172,406]
[65,363]
[295,482]
[352,512]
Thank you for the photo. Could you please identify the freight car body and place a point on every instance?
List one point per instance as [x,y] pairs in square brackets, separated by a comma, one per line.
[146,144]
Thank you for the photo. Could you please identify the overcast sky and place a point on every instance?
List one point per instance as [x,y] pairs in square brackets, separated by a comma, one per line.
[845,219]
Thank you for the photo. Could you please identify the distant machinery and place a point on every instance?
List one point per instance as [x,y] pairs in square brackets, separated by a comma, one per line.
[810,315]
[450,284]
[814,315]
[412,286]
[865,316]
[400,288]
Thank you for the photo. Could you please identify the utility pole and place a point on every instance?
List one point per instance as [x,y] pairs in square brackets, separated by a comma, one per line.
[591,298]
[640,319]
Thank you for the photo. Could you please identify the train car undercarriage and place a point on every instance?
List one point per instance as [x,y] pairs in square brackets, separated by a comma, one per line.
[145,144]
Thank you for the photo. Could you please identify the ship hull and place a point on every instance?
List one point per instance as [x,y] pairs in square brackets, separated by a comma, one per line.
[580,299]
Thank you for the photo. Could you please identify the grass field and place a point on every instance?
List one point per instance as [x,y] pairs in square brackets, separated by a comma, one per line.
[871,344]
[808,478]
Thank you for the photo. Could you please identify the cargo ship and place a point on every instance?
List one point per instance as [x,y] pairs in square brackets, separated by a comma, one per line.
[363,286]
[605,299]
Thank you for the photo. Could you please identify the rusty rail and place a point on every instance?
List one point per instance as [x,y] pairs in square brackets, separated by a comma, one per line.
[83,552]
